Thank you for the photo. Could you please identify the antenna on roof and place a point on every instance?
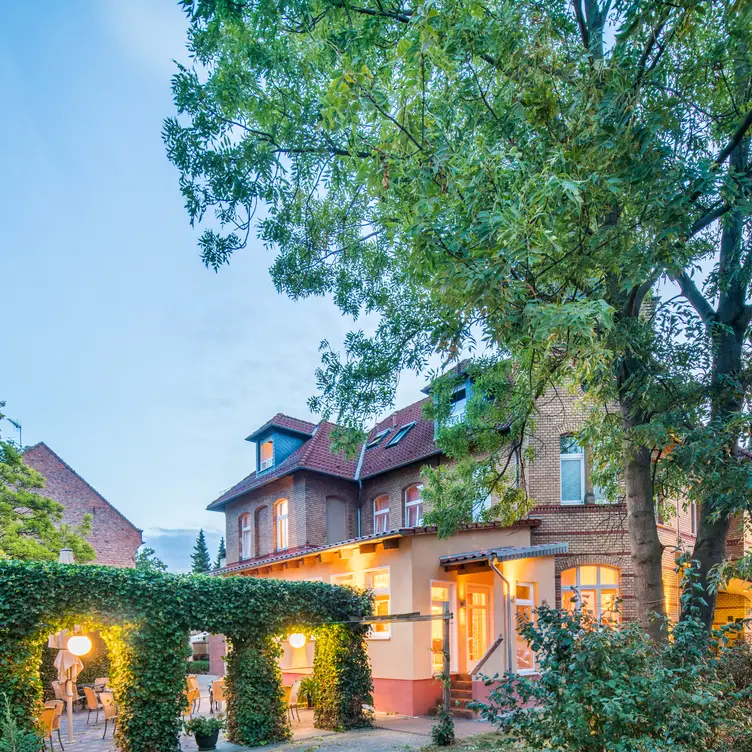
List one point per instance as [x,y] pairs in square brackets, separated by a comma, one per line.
[17,425]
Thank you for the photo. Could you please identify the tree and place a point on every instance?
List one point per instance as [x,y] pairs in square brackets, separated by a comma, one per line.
[515,174]
[200,559]
[148,561]
[31,527]
[221,554]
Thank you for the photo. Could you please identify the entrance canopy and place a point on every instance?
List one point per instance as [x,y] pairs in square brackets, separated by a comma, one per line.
[479,560]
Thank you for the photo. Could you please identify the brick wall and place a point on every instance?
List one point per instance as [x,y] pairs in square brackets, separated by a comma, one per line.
[113,537]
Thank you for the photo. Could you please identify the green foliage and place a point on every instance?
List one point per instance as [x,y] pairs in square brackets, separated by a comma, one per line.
[145,618]
[200,559]
[31,527]
[344,696]
[252,673]
[442,732]
[605,689]
[204,725]
[148,561]
[197,667]
[13,738]
[221,553]
[308,690]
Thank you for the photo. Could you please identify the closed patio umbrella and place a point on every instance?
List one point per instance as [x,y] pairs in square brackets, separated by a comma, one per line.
[68,667]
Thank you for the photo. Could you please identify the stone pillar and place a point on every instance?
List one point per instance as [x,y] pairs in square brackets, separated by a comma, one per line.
[217,646]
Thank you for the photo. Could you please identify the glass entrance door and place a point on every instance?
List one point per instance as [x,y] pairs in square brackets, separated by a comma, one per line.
[441,593]
[478,612]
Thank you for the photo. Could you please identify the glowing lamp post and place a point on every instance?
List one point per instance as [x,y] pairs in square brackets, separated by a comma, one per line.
[297,640]
[79,645]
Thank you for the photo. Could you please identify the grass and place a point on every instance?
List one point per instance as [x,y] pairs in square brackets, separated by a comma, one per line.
[480,742]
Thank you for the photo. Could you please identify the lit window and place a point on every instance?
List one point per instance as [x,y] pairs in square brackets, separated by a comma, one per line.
[525,604]
[283,531]
[347,579]
[458,405]
[376,440]
[572,468]
[594,589]
[400,434]
[267,454]
[441,593]
[377,580]
[246,537]
[414,505]
[381,514]
[693,518]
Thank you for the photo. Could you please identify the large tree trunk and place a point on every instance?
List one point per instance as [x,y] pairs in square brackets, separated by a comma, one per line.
[646,547]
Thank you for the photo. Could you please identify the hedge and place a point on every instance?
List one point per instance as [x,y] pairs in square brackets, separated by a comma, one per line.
[197,667]
[145,619]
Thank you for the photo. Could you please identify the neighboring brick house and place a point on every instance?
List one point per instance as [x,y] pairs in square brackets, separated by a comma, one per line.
[113,537]
[310,514]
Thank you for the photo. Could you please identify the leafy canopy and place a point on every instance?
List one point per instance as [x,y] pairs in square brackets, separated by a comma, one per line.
[148,561]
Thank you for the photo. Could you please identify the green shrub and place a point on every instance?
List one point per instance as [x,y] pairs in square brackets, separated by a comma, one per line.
[15,739]
[204,725]
[442,732]
[307,691]
[197,667]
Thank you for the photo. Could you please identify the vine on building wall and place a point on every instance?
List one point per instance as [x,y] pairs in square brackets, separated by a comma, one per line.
[344,688]
[145,619]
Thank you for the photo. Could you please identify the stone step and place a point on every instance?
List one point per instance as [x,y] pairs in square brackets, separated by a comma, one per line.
[461,694]
[461,685]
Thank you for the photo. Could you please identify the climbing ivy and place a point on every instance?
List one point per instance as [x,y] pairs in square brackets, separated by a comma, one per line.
[145,618]
[344,693]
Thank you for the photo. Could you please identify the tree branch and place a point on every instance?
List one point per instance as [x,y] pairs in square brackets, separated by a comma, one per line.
[734,140]
[692,293]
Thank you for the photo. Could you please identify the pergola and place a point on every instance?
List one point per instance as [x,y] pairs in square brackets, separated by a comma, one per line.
[145,619]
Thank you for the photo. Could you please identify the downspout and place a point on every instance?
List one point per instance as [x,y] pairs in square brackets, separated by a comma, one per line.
[360,482]
[508,610]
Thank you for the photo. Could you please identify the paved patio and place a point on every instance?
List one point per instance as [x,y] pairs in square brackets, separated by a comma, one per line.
[391,732]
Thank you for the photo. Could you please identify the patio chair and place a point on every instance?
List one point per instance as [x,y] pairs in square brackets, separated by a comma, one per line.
[217,694]
[47,720]
[92,704]
[191,696]
[57,705]
[57,688]
[193,685]
[109,708]
[293,705]
[77,697]
[100,683]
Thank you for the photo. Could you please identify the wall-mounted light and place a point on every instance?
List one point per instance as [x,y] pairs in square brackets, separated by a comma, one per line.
[297,640]
[79,644]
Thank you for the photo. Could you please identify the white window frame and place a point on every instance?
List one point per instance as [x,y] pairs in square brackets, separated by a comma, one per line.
[266,464]
[282,525]
[387,633]
[531,603]
[381,513]
[453,636]
[246,536]
[578,457]
[597,587]
[457,413]
[336,579]
[409,505]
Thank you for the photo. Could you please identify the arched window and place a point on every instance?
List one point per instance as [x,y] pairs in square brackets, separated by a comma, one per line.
[414,505]
[336,519]
[381,514]
[262,532]
[246,539]
[593,588]
[283,530]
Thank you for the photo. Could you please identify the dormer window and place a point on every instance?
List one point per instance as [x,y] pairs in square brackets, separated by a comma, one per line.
[377,439]
[267,455]
[400,434]
[458,405]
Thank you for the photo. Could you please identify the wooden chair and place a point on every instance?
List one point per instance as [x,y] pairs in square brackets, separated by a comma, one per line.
[217,694]
[58,706]
[193,686]
[109,708]
[191,697]
[48,720]
[92,703]
[100,683]
[292,704]
[57,688]
[77,698]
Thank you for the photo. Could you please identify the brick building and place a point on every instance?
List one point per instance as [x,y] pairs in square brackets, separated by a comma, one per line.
[307,513]
[113,537]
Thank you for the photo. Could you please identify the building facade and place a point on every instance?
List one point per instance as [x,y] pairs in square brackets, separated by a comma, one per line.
[114,538]
[308,514]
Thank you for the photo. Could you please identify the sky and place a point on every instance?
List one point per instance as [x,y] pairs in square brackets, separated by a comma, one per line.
[141,368]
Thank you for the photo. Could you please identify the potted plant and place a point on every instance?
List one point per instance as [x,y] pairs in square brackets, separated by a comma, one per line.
[307,691]
[206,730]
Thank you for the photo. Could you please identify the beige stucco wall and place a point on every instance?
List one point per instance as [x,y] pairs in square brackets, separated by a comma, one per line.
[406,653]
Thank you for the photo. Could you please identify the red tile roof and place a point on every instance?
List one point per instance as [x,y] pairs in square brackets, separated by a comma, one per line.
[316,453]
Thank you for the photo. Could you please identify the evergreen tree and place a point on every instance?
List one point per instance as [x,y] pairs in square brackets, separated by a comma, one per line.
[200,559]
[221,553]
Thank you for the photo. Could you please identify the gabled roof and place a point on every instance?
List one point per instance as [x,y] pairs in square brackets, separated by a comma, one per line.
[42,446]
[315,454]
[286,423]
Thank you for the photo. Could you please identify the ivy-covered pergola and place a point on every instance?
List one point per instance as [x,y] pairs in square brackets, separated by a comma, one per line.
[145,619]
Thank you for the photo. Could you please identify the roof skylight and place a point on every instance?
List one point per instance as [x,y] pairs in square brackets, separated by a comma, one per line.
[401,434]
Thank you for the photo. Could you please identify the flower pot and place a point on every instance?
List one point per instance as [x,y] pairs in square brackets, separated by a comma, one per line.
[207,742]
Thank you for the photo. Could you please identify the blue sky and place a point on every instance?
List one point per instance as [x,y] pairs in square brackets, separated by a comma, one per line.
[140,367]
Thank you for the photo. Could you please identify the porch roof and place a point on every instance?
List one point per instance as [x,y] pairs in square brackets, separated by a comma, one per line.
[505,553]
